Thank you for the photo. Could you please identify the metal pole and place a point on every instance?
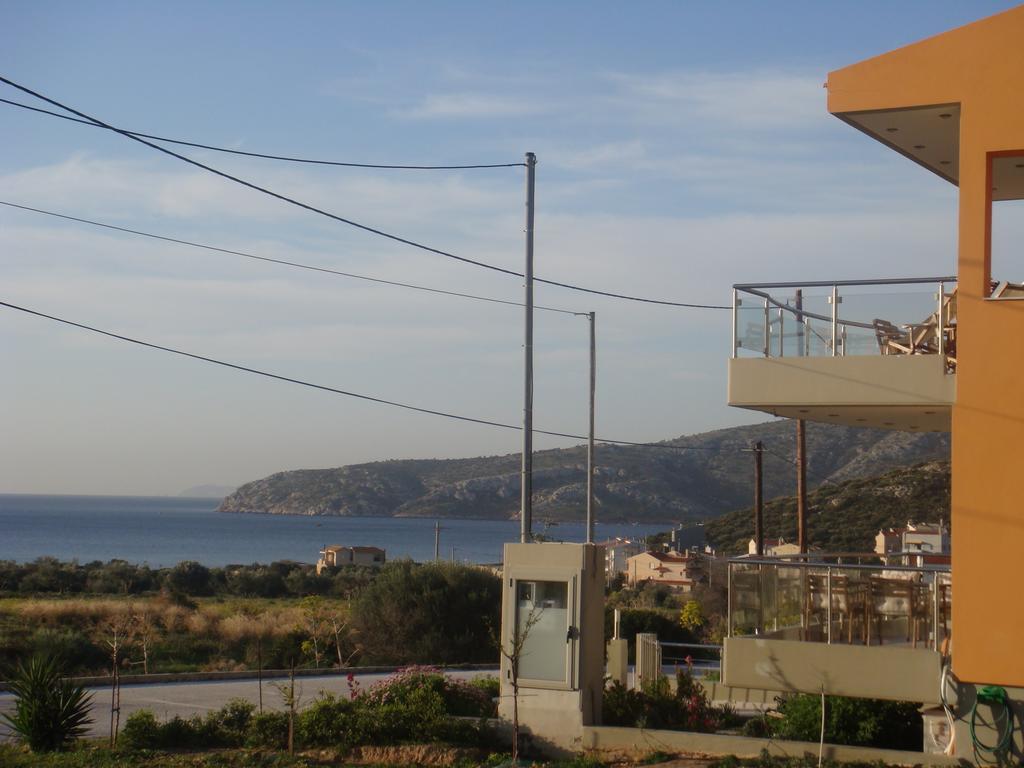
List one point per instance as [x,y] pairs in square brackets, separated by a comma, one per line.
[828,609]
[758,501]
[590,436]
[767,330]
[526,509]
[736,301]
[940,321]
[437,540]
[835,320]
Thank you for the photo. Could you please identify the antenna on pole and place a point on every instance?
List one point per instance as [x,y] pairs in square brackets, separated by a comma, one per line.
[526,509]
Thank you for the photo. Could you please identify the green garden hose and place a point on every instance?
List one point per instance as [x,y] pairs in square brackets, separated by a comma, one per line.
[994,695]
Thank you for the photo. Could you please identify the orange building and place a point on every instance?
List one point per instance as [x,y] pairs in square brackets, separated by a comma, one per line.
[941,353]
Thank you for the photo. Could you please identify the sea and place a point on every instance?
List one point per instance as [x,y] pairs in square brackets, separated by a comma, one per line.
[163,531]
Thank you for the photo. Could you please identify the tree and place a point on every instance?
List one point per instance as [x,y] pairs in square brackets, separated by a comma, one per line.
[315,625]
[118,631]
[189,578]
[435,613]
[143,631]
[49,712]
[512,652]
[691,617]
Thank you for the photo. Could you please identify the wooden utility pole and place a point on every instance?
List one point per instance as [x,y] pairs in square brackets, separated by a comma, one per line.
[758,501]
[590,435]
[801,486]
[801,442]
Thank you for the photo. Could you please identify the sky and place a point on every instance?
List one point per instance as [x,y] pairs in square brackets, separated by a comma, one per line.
[682,147]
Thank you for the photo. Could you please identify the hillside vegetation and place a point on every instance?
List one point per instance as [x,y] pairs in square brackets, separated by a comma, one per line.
[685,479]
[844,517]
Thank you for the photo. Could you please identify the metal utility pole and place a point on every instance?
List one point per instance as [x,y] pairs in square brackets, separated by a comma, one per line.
[526,508]
[758,500]
[592,316]
[437,540]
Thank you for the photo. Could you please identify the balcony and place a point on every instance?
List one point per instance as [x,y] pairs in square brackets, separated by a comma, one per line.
[845,628]
[872,353]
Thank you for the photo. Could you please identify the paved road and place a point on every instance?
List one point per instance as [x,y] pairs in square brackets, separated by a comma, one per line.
[187,699]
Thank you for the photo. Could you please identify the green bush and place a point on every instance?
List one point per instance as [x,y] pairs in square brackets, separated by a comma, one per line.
[268,731]
[141,731]
[856,722]
[687,708]
[49,712]
[328,721]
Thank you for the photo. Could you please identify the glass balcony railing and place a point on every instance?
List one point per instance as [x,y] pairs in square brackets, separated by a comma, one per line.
[910,316]
[840,602]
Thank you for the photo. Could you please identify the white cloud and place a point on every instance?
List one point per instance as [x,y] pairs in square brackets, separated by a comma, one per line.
[472,106]
[755,99]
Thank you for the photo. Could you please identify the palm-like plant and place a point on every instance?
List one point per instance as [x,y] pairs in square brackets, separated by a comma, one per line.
[50,712]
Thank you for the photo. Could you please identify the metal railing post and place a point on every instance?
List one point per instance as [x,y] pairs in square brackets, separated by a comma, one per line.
[835,318]
[935,612]
[782,335]
[940,321]
[767,330]
[735,321]
[828,609]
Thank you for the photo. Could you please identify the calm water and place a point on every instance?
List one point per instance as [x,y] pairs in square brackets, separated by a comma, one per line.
[163,531]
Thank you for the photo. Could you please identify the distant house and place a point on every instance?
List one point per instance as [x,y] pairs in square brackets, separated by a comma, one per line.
[336,555]
[774,548]
[617,552]
[915,544]
[674,569]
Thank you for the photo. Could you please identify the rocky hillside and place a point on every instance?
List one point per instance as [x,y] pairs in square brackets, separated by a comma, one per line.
[845,517]
[689,478]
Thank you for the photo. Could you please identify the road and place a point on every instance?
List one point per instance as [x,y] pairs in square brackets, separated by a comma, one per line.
[186,699]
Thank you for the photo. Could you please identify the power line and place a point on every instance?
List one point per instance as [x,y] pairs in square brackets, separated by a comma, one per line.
[283,262]
[322,387]
[262,154]
[350,222]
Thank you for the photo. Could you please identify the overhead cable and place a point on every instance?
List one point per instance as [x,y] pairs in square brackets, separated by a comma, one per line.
[263,155]
[323,387]
[283,262]
[350,222]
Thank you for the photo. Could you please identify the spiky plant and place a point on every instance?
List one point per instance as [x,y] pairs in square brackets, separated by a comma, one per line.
[49,712]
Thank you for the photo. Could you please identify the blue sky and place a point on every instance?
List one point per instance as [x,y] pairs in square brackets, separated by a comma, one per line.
[652,180]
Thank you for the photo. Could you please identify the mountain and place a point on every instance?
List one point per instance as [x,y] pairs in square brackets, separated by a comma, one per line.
[688,478]
[844,517]
[208,491]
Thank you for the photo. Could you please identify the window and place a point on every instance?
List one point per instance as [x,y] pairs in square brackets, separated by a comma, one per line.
[1006,242]
[542,615]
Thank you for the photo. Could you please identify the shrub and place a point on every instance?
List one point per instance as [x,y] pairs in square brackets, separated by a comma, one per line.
[856,722]
[49,712]
[658,706]
[268,731]
[141,731]
[328,721]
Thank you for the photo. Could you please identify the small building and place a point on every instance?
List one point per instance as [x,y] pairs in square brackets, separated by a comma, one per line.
[337,555]
[774,548]
[915,544]
[674,569]
[617,552]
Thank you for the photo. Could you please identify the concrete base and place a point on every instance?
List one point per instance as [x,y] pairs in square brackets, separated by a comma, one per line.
[612,743]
